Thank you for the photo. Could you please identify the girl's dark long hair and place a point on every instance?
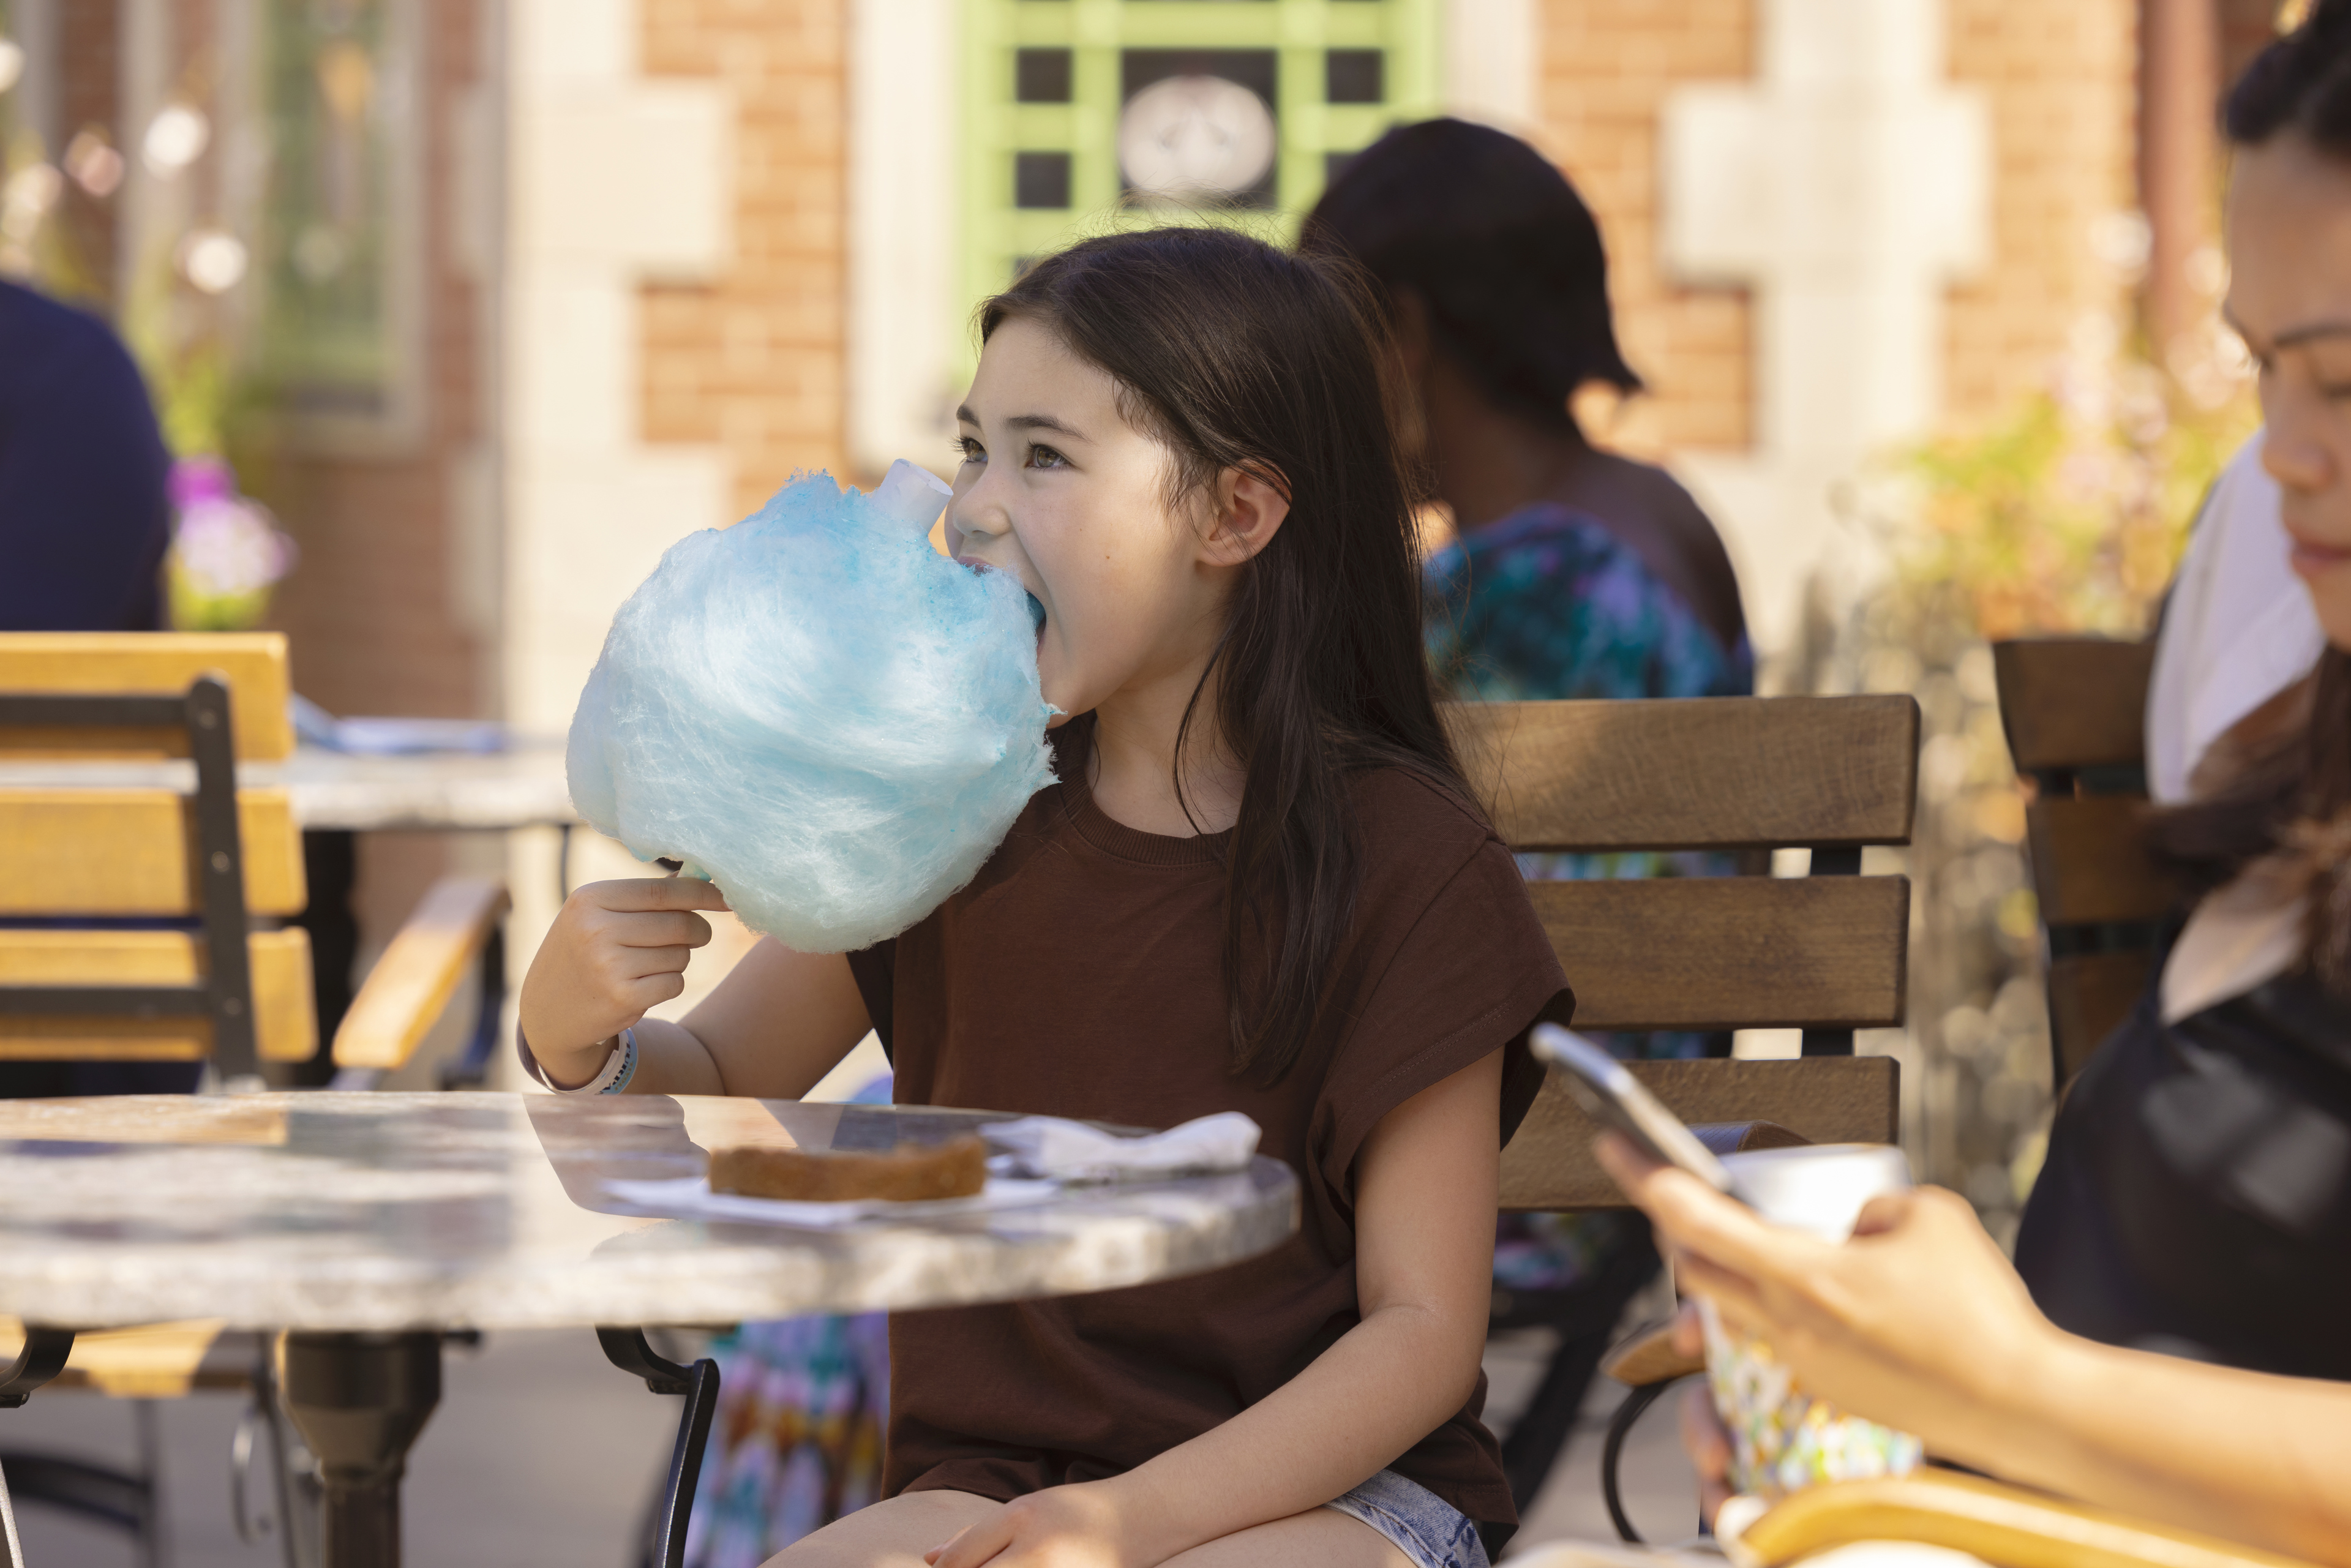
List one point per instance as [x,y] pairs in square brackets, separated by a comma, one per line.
[2279,782]
[1237,356]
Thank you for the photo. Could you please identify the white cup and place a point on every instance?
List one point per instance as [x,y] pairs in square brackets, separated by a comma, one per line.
[1781,1438]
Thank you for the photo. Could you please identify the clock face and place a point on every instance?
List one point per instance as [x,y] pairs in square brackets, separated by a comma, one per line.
[1194,139]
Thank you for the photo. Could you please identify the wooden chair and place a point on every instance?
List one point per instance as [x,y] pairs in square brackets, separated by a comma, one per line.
[81,855]
[140,920]
[2074,711]
[1825,953]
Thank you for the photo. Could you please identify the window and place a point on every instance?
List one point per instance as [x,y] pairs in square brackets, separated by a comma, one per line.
[1228,110]
[1040,180]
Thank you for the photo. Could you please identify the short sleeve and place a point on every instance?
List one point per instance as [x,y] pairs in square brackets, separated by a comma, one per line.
[1470,974]
[875,970]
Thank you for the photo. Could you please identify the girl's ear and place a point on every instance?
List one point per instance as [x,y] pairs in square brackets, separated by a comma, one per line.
[1250,512]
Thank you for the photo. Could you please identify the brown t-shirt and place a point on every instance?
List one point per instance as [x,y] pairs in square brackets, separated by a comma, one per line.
[1080,975]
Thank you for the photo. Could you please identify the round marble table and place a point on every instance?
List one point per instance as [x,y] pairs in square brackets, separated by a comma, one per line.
[366,1223]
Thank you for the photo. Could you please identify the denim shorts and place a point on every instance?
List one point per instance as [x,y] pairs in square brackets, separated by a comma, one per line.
[1423,1526]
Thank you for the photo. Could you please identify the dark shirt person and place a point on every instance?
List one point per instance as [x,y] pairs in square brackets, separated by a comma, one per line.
[84,507]
[85,514]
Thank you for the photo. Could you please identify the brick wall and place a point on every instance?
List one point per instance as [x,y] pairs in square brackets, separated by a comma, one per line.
[90,70]
[376,607]
[1607,66]
[757,361]
[2060,79]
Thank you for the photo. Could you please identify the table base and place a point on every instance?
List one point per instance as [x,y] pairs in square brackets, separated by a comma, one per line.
[360,1400]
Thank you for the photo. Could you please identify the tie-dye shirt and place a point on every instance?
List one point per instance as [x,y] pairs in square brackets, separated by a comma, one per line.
[1548,603]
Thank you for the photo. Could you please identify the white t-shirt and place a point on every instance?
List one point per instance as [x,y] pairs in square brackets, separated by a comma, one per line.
[2238,629]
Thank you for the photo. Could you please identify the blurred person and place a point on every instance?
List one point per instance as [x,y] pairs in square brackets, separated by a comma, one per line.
[2237,627]
[1921,1323]
[2196,1198]
[1576,572]
[85,516]
[798,1436]
[2196,1193]
[84,510]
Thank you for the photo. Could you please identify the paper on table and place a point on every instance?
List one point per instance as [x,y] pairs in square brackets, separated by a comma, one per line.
[1071,1150]
[690,1197]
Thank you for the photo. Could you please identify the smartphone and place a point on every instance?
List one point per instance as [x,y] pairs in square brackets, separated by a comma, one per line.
[1613,1097]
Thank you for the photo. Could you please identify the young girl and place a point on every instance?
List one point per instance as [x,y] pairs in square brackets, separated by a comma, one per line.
[1259,886]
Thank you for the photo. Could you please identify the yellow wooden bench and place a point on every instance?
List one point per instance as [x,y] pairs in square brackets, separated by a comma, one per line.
[235,989]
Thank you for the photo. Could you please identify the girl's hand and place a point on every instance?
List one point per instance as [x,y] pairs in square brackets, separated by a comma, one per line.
[1914,1321]
[616,949]
[1060,1527]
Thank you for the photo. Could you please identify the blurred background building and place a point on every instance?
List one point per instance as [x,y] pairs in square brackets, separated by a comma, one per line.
[491,300]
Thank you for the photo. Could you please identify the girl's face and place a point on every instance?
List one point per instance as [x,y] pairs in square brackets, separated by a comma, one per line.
[2289,233]
[1057,489]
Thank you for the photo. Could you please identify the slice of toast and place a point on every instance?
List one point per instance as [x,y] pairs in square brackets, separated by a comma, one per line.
[911,1172]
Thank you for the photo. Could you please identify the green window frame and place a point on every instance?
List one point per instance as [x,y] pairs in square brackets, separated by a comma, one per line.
[1010,149]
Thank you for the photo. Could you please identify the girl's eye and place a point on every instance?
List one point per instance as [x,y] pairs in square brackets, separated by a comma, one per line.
[1046,458]
[970,449]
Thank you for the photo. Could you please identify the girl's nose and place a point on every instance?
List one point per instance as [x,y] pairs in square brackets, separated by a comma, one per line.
[2295,457]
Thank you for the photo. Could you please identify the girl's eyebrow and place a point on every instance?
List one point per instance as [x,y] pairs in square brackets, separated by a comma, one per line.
[1025,422]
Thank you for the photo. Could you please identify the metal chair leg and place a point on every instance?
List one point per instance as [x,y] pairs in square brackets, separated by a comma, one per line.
[1620,1426]
[154,1537]
[627,1349]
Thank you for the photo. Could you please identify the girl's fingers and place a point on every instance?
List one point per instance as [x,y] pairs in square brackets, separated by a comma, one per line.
[1734,1295]
[650,961]
[1689,1334]
[1703,1436]
[1700,1220]
[667,928]
[649,892]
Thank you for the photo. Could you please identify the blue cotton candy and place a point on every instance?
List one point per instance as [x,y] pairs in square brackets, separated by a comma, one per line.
[819,712]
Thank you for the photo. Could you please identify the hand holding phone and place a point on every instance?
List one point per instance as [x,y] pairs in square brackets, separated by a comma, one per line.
[1613,1097]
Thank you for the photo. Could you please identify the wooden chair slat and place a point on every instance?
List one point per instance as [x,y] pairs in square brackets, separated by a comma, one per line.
[1703,773]
[2089,866]
[127,851]
[1748,952]
[2074,702]
[285,1020]
[253,664]
[2089,995]
[413,982]
[1824,1099]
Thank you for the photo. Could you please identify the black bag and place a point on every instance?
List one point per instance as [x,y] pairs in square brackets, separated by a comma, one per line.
[2196,1196]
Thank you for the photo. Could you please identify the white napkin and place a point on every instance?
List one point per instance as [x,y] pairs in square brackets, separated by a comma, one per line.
[1071,1150]
[690,1197]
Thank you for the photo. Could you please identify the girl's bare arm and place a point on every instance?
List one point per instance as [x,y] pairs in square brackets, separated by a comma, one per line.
[1425,1192]
[776,1024]
[1920,1322]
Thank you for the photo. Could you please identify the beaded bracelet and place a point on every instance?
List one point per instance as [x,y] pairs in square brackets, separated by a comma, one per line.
[619,1067]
